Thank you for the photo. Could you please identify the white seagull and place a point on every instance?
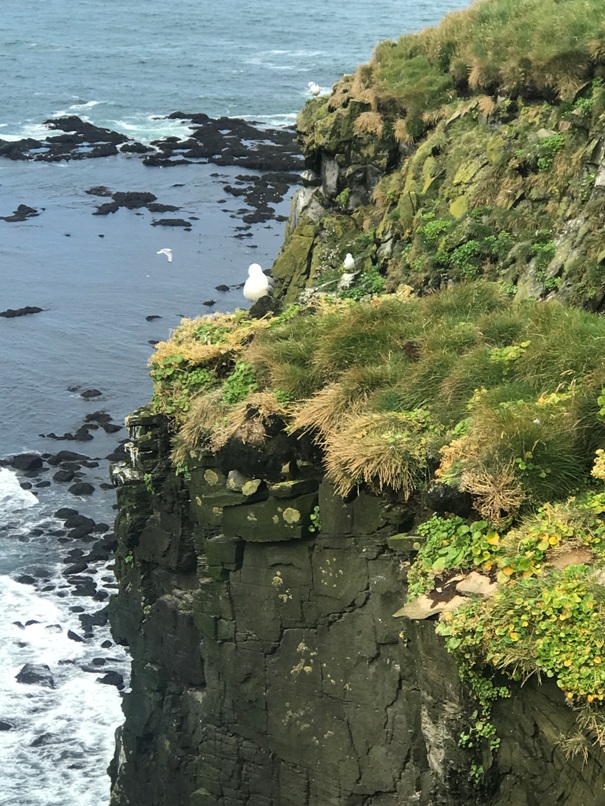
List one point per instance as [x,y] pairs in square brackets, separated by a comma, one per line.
[349,262]
[314,88]
[167,252]
[258,284]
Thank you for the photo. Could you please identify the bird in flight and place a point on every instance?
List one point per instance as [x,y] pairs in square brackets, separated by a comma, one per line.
[167,252]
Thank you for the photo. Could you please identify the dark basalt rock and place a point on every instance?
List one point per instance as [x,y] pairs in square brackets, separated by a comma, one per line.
[36,674]
[25,579]
[26,462]
[81,488]
[6,725]
[11,313]
[66,456]
[98,190]
[65,512]
[170,222]
[92,133]
[90,393]
[98,417]
[112,679]
[75,637]
[63,476]
[22,213]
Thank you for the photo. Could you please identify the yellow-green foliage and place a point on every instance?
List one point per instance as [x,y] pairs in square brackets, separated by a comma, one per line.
[499,398]
[544,48]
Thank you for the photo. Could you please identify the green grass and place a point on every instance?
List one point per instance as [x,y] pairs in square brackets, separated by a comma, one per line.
[524,378]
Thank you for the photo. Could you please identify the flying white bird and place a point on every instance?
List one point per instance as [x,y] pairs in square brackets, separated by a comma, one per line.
[258,284]
[314,88]
[167,252]
[349,262]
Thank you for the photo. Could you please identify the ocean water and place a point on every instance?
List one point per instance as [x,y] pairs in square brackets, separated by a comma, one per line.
[125,65]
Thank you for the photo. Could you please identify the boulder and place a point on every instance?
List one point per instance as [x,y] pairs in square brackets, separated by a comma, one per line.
[36,674]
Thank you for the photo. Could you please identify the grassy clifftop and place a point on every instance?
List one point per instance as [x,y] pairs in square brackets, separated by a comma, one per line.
[473,149]
[463,167]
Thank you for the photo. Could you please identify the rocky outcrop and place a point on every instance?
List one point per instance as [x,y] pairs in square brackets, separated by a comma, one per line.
[268,668]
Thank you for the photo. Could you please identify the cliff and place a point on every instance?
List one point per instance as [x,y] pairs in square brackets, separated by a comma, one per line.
[267,665]
[361,536]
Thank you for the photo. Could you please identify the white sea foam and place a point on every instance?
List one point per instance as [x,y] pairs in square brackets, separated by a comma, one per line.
[12,497]
[272,121]
[85,105]
[53,755]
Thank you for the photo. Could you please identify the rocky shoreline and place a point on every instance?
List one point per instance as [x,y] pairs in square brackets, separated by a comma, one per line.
[272,152]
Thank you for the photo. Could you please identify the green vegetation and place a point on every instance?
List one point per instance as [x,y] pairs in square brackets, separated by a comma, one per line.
[498,398]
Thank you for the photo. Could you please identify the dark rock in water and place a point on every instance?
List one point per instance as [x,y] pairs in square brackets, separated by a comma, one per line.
[36,673]
[31,621]
[444,498]
[170,222]
[76,568]
[66,512]
[99,190]
[22,213]
[112,679]
[19,624]
[98,661]
[98,619]
[151,317]
[107,644]
[133,200]
[26,485]
[6,725]
[98,417]
[44,739]
[63,475]
[81,488]
[92,133]
[43,484]
[108,207]
[66,456]
[78,532]
[209,303]
[135,148]
[155,207]
[82,434]
[25,579]
[90,393]
[26,461]
[100,596]
[111,428]
[223,288]
[75,637]
[54,628]
[11,313]
[78,520]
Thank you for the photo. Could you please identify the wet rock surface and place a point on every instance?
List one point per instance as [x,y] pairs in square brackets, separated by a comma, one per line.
[271,152]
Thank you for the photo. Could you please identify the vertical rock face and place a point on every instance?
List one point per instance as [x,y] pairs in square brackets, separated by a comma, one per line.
[267,666]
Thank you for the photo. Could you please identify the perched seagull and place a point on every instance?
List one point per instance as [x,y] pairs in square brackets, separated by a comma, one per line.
[258,284]
[314,88]
[167,252]
[349,262]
